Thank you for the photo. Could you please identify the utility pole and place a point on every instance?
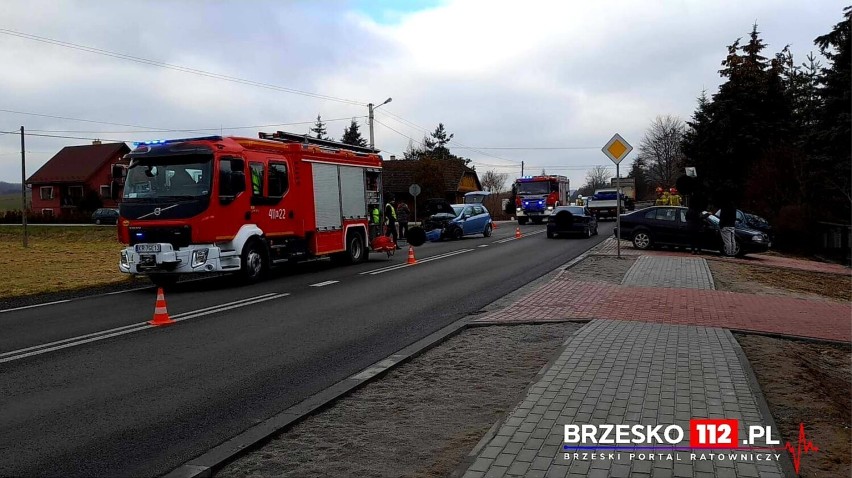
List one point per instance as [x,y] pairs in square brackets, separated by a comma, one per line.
[522,169]
[24,186]
[370,122]
[371,107]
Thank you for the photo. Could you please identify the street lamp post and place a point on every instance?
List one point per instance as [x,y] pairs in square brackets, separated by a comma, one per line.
[370,120]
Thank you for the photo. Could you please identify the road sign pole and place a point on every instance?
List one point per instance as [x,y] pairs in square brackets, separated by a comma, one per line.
[618,211]
[616,149]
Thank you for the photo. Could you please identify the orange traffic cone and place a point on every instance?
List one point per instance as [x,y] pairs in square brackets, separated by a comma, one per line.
[518,233]
[411,259]
[161,315]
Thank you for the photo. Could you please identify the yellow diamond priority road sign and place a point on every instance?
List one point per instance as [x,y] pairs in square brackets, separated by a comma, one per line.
[617,148]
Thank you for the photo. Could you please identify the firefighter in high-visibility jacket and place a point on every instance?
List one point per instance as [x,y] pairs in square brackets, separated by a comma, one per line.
[375,221]
[390,218]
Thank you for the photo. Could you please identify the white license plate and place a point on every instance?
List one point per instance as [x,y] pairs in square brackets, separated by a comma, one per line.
[147,248]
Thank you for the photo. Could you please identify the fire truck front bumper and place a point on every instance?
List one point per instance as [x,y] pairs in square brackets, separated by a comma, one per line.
[163,258]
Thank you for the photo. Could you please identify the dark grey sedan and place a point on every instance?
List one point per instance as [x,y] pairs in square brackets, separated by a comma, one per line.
[571,220]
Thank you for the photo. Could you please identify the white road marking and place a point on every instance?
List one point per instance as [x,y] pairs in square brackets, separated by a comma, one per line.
[127,329]
[323,284]
[483,245]
[419,261]
[35,305]
[399,266]
[512,238]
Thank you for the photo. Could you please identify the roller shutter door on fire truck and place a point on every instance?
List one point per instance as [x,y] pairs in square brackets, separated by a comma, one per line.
[352,192]
[326,196]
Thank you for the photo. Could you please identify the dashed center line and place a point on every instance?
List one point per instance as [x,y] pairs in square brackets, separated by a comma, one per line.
[323,284]
[127,329]
[513,238]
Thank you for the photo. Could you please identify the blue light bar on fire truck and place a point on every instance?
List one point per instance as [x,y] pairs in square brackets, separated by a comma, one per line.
[177,140]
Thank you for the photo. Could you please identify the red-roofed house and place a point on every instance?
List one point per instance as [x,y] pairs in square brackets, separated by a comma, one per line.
[61,184]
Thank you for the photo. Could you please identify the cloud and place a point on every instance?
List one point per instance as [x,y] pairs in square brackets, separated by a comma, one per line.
[496,73]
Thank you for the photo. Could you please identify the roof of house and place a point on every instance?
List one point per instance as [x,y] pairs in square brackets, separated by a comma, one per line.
[77,163]
[398,175]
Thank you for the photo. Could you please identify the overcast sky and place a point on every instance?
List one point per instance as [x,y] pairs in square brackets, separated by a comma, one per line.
[498,74]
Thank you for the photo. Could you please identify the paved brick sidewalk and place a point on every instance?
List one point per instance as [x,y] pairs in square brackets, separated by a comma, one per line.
[615,372]
[675,297]
[682,272]
[565,298]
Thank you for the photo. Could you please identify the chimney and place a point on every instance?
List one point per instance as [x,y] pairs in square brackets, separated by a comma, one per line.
[97,141]
[392,157]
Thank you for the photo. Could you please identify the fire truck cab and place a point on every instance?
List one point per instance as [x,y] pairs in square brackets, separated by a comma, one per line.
[537,196]
[231,204]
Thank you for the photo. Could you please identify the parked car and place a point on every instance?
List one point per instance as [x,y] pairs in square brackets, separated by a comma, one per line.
[572,220]
[666,225]
[751,221]
[105,215]
[465,219]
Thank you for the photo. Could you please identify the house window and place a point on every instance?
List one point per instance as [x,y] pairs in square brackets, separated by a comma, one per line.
[75,192]
[105,191]
[47,212]
[46,192]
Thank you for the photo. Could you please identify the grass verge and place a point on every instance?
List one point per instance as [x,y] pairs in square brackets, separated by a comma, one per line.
[57,259]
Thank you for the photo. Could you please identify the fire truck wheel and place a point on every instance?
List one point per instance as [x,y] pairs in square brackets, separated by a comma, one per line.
[355,251]
[254,261]
[537,220]
[166,281]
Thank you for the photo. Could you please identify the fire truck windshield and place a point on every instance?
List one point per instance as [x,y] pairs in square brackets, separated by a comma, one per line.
[538,187]
[180,177]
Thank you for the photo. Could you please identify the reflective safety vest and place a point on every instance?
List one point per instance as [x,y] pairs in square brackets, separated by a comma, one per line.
[376,215]
[392,215]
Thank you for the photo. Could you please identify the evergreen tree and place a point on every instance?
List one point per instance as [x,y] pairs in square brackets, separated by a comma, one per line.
[352,135]
[436,147]
[748,114]
[412,152]
[833,130]
[319,129]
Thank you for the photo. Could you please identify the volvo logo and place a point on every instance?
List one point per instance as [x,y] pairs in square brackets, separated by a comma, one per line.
[157,211]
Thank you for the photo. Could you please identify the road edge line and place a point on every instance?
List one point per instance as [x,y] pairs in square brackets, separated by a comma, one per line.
[203,466]
[214,459]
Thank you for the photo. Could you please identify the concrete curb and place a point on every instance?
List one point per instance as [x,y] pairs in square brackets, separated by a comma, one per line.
[204,465]
[462,468]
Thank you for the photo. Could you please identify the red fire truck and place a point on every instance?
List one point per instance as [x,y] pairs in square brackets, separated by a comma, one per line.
[537,196]
[220,204]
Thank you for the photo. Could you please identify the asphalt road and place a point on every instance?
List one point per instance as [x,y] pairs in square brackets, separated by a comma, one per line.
[87,389]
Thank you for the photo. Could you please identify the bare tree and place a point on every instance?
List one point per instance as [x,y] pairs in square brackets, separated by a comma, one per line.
[494,182]
[661,152]
[596,178]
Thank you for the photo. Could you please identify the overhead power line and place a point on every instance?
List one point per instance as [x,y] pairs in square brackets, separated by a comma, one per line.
[539,147]
[454,142]
[76,119]
[151,129]
[190,130]
[77,137]
[184,69]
